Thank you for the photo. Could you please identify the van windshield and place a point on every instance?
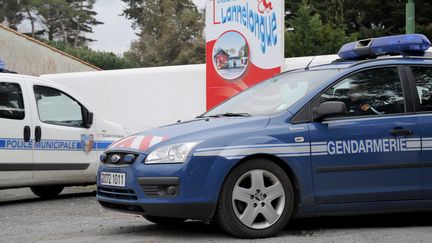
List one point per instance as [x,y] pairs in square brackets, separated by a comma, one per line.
[274,95]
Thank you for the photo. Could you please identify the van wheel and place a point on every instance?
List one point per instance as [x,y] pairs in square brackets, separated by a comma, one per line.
[47,191]
[164,220]
[256,200]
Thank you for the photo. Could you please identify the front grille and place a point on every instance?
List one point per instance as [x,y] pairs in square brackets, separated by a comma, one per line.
[151,190]
[121,207]
[157,190]
[159,186]
[124,194]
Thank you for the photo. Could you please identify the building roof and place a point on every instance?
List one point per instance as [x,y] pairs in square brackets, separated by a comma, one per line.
[49,47]
[222,52]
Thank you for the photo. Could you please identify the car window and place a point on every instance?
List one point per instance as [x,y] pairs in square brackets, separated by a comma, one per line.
[11,101]
[423,78]
[371,92]
[56,107]
[276,94]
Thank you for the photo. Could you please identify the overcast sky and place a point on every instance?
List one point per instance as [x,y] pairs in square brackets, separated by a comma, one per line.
[116,34]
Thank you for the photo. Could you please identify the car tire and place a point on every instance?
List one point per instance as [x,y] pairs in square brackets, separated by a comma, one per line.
[167,221]
[47,191]
[256,200]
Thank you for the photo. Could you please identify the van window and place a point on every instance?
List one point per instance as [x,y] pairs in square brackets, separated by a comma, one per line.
[11,101]
[56,107]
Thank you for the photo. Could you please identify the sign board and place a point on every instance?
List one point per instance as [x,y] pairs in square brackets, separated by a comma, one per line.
[245,45]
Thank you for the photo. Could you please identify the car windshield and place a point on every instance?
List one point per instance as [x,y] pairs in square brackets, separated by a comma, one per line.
[274,95]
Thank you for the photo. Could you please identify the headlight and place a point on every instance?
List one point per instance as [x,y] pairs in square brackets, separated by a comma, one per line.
[175,153]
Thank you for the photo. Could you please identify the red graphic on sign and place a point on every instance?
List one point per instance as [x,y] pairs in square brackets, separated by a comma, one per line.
[244,46]
[220,89]
[264,6]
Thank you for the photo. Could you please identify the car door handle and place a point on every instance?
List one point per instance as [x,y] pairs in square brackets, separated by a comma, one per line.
[27,134]
[38,134]
[401,132]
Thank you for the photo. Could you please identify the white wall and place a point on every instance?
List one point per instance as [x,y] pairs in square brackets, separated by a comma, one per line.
[145,98]
[302,62]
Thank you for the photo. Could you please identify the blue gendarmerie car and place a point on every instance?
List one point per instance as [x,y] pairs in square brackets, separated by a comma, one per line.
[350,137]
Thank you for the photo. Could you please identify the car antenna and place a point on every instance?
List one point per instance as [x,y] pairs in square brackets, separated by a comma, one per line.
[307,67]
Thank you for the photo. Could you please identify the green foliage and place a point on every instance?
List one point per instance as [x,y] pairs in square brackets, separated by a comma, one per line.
[103,60]
[171,32]
[309,36]
[61,20]
[356,19]
[67,20]
[371,18]
[10,13]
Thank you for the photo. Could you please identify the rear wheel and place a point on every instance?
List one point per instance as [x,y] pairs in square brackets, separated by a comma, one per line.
[164,220]
[47,191]
[256,200]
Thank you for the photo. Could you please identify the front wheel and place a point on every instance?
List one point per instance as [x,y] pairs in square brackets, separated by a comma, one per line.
[47,191]
[256,200]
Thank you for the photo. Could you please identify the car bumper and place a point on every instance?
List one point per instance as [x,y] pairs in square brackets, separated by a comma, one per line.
[173,210]
[187,190]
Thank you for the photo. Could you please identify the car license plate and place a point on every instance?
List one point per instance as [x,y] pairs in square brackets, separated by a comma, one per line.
[113,179]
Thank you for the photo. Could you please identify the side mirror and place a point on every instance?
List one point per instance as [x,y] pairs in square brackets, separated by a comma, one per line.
[87,119]
[331,109]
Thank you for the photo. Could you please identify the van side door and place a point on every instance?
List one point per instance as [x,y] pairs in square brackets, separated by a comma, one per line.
[64,148]
[16,156]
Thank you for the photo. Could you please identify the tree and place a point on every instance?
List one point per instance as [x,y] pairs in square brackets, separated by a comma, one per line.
[29,8]
[332,12]
[424,17]
[54,16]
[310,36]
[368,18]
[103,60]
[171,32]
[371,18]
[10,13]
[81,21]
[244,51]
[63,20]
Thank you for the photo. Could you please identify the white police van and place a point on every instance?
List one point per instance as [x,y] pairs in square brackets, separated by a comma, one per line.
[49,139]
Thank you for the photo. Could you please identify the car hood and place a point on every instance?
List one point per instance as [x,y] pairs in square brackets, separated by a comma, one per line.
[187,131]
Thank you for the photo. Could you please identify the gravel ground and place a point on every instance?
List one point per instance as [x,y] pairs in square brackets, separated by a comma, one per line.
[77,217]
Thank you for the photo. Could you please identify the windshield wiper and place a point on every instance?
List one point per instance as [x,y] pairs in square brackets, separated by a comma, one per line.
[231,114]
[228,114]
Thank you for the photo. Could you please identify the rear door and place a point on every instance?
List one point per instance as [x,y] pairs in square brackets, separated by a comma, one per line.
[64,148]
[372,154]
[422,86]
[16,156]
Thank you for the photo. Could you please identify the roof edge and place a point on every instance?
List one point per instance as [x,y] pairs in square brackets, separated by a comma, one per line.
[49,47]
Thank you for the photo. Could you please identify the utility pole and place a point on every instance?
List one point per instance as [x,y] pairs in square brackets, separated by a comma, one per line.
[410,17]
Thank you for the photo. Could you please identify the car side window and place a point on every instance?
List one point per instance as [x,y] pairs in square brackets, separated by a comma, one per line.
[370,92]
[11,101]
[56,107]
[423,78]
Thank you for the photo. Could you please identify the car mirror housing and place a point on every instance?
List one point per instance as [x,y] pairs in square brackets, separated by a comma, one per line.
[331,109]
[87,118]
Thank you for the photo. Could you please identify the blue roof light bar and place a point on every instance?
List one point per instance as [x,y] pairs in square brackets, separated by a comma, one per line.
[2,65]
[403,44]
